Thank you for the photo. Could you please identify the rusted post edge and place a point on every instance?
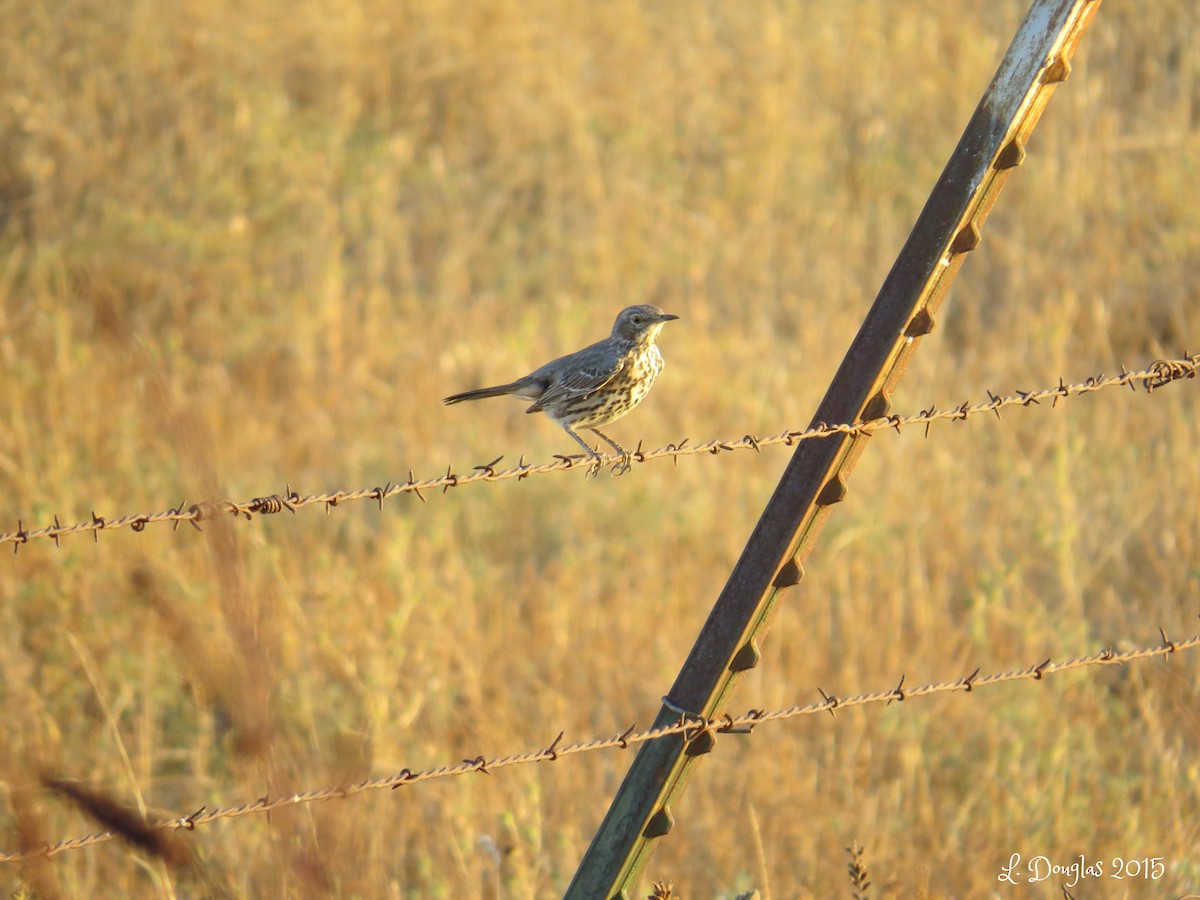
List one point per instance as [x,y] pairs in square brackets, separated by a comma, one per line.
[946,230]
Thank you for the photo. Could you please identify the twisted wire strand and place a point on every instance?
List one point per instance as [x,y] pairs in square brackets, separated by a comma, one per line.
[690,725]
[1151,377]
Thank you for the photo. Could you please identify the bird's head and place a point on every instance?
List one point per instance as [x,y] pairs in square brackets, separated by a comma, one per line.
[640,324]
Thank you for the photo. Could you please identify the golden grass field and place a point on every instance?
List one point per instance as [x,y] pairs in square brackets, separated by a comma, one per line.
[248,245]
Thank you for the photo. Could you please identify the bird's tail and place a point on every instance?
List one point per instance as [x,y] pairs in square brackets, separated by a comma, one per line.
[480,393]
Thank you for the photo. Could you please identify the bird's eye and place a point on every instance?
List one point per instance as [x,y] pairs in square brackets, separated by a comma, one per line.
[637,320]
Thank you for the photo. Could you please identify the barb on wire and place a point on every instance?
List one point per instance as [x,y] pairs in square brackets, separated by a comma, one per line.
[691,725]
[1152,377]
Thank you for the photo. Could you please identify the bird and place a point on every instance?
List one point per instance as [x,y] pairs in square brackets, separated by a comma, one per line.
[596,385]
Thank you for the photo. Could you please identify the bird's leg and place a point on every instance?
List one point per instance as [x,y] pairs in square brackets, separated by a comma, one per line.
[625,464]
[592,454]
[604,437]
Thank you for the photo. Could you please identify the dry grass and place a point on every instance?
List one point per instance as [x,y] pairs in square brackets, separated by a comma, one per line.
[253,245]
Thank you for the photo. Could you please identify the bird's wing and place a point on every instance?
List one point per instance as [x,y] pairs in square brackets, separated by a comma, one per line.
[578,382]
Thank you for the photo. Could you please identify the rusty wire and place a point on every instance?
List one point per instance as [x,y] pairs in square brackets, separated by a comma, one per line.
[690,725]
[1153,376]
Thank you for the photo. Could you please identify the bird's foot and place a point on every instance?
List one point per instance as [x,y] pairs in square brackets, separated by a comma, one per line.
[595,464]
[620,468]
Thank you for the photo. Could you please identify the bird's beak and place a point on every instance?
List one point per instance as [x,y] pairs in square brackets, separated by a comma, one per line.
[667,317]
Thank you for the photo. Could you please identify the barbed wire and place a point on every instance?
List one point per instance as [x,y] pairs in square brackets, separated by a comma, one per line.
[1156,375]
[690,725]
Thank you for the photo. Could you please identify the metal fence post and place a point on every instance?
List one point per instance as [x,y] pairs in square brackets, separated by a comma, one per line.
[815,479]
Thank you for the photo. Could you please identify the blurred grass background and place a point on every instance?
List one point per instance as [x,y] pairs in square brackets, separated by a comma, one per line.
[250,245]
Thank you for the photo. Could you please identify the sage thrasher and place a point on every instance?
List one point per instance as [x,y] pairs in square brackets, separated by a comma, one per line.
[595,385]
